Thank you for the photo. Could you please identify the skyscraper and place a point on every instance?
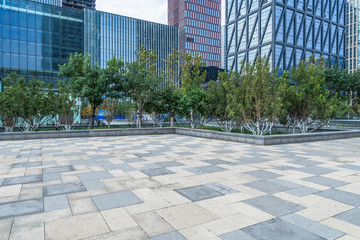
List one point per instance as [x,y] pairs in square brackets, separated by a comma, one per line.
[199,23]
[79,4]
[353,40]
[285,31]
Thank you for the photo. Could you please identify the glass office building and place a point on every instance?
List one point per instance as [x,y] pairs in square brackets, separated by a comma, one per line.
[353,31]
[79,4]
[285,31]
[35,38]
[51,2]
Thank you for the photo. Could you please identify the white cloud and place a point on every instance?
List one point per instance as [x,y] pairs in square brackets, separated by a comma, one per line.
[150,10]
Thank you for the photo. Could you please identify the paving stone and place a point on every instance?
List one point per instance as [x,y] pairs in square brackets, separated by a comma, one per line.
[273,205]
[133,160]
[352,216]
[94,175]
[118,219]
[54,203]
[249,160]
[82,205]
[306,162]
[58,169]
[263,174]
[316,170]
[341,196]
[1,181]
[198,193]
[89,163]
[329,182]
[63,189]
[169,164]
[47,177]
[236,235]
[217,162]
[48,163]
[22,180]
[152,223]
[302,191]
[5,228]
[276,229]
[93,185]
[312,226]
[157,172]
[205,169]
[26,164]
[184,153]
[115,200]
[351,167]
[14,209]
[221,188]
[169,236]
[267,186]
[284,168]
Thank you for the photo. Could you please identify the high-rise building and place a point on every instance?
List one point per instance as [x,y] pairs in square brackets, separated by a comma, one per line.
[51,2]
[223,47]
[353,40]
[36,38]
[199,23]
[79,4]
[285,31]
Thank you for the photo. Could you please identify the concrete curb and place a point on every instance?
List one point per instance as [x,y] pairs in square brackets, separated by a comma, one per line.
[233,137]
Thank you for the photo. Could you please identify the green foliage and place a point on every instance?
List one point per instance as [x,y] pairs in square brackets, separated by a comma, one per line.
[191,75]
[65,106]
[109,107]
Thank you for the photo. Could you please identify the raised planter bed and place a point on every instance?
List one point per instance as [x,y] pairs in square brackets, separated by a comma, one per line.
[233,137]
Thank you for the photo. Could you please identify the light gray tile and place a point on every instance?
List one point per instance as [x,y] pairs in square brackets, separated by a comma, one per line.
[169,236]
[205,169]
[217,162]
[58,169]
[267,186]
[116,200]
[169,164]
[94,175]
[198,193]
[236,235]
[47,177]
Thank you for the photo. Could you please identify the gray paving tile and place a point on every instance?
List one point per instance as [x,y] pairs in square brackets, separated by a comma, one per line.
[276,229]
[312,226]
[58,202]
[94,175]
[88,162]
[284,168]
[48,163]
[47,177]
[329,182]
[250,160]
[263,174]
[63,189]
[221,188]
[198,193]
[26,164]
[316,170]
[124,166]
[284,183]
[216,161]
[302,191]
[15,209]
[93,184]
[22,180]
[236,235]
[169,236]
[341,196]
[1,181]
[157,172]
[267,186]
[115,200]
[306,162]
[184,153]
[205,169]
[169,164]
[352,216]
[351,167]
[58,169]
[132,160]
[273,205]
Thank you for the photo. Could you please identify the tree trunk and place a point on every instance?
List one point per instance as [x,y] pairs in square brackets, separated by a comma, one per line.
[93,117]
[172,121]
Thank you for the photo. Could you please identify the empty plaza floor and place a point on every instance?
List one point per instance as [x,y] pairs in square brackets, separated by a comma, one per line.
[167,187]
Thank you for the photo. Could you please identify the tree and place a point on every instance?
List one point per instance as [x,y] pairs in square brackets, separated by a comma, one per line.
[141,81]
[254,99]
[218,101]
[308,103]
[89,82]
[65,104]
[109,107]
[126,109]
[355,93]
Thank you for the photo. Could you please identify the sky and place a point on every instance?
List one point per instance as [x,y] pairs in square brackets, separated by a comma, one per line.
[150,10]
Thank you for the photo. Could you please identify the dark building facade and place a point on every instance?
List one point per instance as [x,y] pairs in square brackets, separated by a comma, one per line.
[79,4]
[35,38]
[285,31]
[199,23]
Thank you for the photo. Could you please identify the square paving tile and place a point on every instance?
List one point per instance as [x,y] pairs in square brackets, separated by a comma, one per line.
[198,193]
[169,236]
[267,186]
[312,226]
[51,177]
[58,169]
[54,203]
[22,180]
[93,185]
[15,209]
[302,191]
[94,175]
[26,164]
[329,182]
[352,216]
[276,229]
[217,162]
[316,170]
[169,164]
[205,169]
[63,189]
[157,172]
[115,200]
[221,188]
[306,162]
[351,167]
[341,196]
[236,235]
[273,205]
[263,174]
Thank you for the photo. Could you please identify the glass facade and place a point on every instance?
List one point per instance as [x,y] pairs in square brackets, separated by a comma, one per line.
[353,40]
[79,4]
[285,31]
[35,38]
[50,2]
